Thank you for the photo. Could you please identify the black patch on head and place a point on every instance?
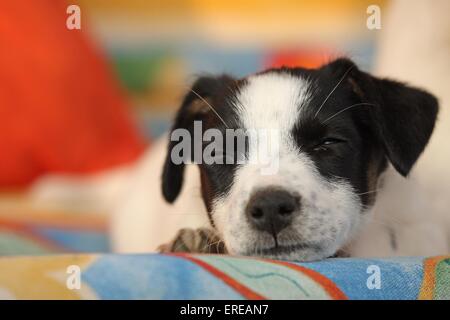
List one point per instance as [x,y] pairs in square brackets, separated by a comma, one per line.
[351,133]
[216,179]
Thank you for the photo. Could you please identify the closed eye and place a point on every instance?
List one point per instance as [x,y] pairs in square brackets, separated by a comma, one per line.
[326,143]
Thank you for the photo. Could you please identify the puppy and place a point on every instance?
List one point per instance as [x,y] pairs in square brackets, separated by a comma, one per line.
[341,134]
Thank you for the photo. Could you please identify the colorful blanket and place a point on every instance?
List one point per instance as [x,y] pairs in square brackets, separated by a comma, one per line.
[221,277]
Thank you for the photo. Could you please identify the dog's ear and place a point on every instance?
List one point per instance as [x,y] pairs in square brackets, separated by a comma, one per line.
[405,120]
[196,106]
[402,117]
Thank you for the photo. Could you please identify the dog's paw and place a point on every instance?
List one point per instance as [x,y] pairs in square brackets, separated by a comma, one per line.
[200,240]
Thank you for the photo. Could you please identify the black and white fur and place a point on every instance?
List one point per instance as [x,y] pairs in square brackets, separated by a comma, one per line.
[339,128]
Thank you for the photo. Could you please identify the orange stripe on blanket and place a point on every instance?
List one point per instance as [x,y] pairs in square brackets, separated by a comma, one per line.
[429,277]
[239,287]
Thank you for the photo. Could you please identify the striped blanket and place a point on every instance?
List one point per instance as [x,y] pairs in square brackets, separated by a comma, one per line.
[155,276]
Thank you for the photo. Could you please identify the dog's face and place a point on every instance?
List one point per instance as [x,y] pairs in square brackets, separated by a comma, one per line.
[336,129]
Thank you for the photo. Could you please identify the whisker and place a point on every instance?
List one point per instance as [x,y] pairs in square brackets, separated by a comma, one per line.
[335,87]
[210,106]
[209,245]
[345,109]
[371,191]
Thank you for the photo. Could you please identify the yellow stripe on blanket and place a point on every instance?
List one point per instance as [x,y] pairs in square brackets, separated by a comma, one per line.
[47,277]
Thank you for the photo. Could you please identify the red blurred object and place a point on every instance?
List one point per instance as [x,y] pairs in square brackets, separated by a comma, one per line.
[299,58]
[60,109]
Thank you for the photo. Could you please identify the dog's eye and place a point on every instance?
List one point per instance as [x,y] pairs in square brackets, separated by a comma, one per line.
[326,143]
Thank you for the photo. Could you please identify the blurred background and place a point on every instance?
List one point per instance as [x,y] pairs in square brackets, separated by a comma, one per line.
[85,102]
[156,48]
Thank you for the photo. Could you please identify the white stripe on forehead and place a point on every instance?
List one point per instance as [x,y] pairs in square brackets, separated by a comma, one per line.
[271,101]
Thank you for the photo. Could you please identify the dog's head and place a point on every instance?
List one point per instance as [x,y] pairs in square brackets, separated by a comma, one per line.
[337,127]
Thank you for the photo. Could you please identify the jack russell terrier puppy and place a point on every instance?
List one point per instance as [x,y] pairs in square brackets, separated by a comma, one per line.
[342,137]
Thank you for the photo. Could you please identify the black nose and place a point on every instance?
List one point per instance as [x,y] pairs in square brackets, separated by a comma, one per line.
[272,209]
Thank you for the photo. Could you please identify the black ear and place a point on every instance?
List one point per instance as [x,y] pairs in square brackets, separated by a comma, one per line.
[405,120]
[403,117]
[195,107]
